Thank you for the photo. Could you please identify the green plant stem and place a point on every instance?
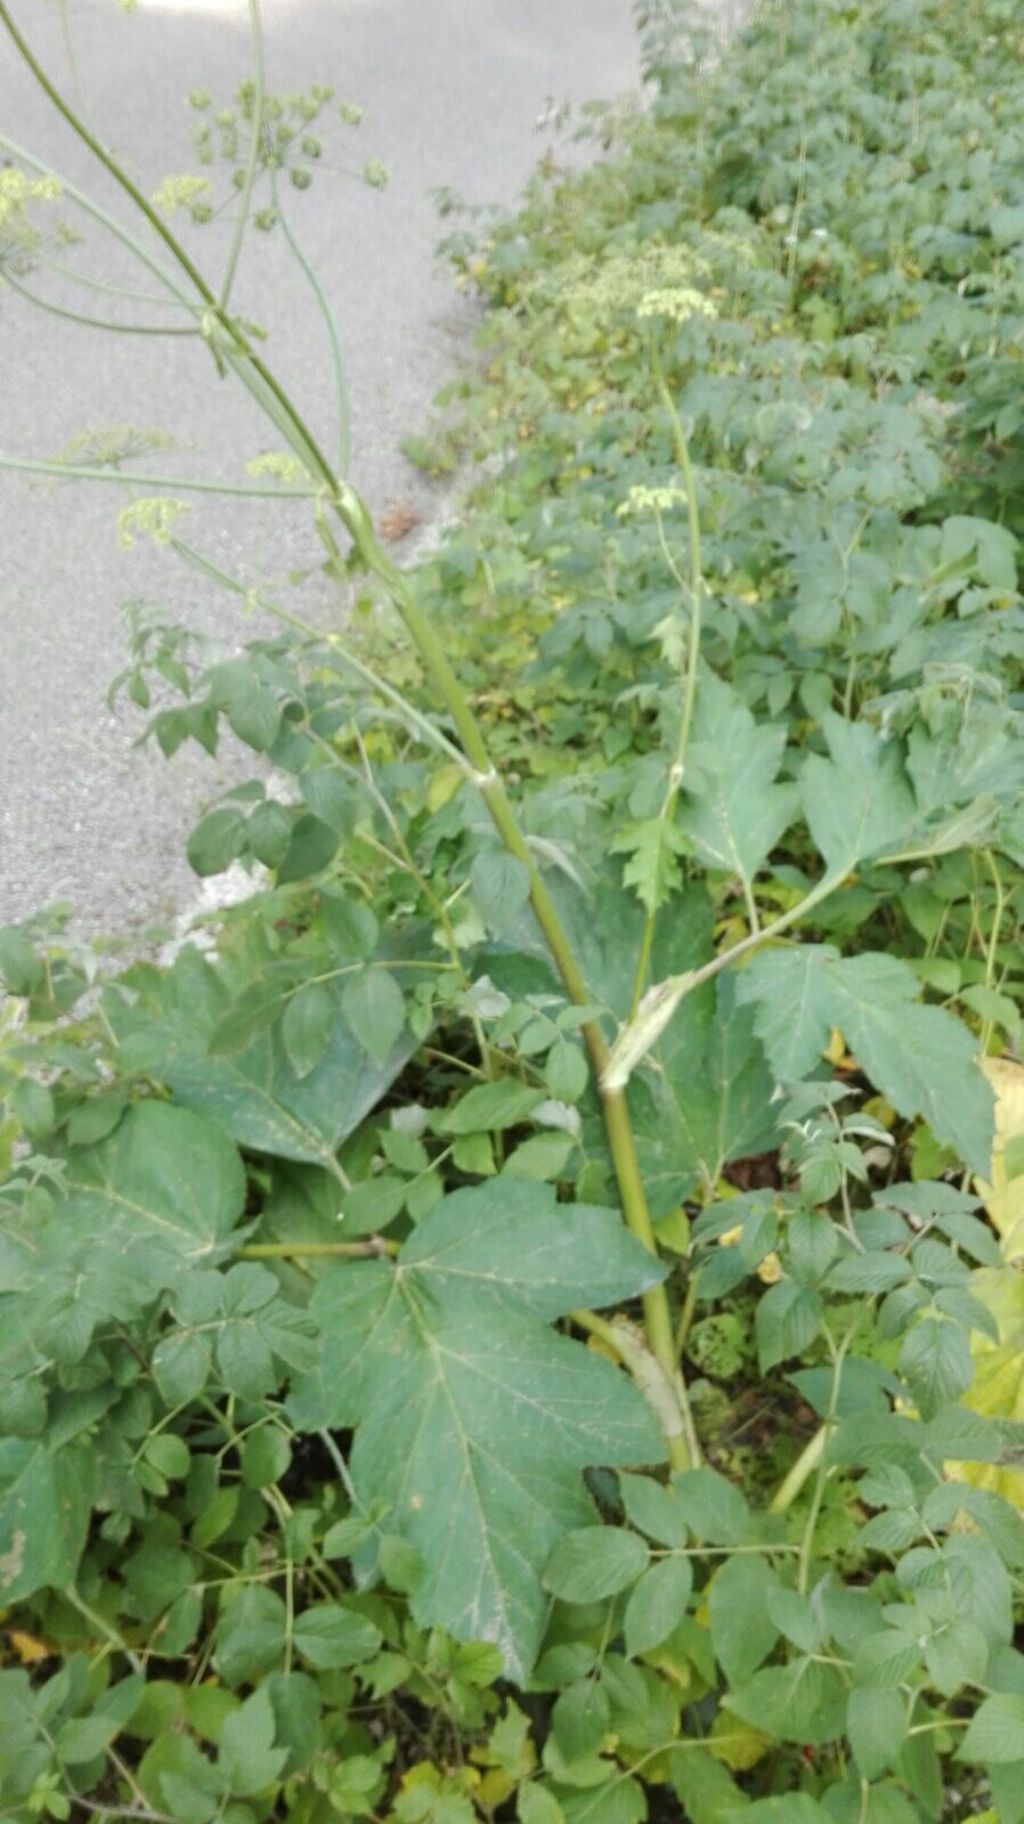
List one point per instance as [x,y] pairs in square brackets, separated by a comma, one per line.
[241,221]
[78,316]
[684,1450]
[602,1327]
[811,1458]
[797,1475]
[334,339]
[283,1511]
[102,1626]
[811,1526]
[344,1477]
[96,147]
[696,977]
[659,1388]
[618,1126]
[69,52]
[107,221]
[408,710]
[687,1309]
[635,1038]
[120,292]
[61,471]
[234,348]
[696,592]
[136,1812]
[812,1462]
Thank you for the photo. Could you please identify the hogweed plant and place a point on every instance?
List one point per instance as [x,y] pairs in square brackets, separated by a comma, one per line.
[493,1329]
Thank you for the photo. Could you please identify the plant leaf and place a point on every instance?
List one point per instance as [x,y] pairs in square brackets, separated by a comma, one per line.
[857,802]
[657,1604]
[742,1630]
[734,812]
[45,1502]
[594,1562]
[257,1098]
[996,1731]
[374,1007]
[921,1058]
[306,1026]
[474,1419]
[997,1387]
[501,886]
[1003,1188]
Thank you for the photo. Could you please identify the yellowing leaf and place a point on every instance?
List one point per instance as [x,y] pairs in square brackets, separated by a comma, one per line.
[881,1110]
[421,1773]
[997,1390]
[443,786]
[670,1659]
[495,1787]
[27,1648]
[1004,1197]
[673,1231]
[770,1270]
[735,1743]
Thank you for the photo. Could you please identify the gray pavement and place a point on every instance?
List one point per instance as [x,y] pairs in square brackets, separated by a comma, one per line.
[451,91]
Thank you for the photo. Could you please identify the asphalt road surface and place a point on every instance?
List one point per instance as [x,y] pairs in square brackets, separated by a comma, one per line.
[452,90]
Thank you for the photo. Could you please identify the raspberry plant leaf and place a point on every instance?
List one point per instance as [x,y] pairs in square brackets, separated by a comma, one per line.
[45,1503]
[474,1418]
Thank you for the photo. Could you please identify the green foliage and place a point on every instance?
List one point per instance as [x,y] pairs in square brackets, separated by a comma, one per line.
[343,1439]
[435,1356]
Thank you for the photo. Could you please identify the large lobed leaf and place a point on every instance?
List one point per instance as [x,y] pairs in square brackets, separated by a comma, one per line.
[857,803]
[255,1093]
[474,1418]
[165,1177]
[158,1197]
[734,812]
[921,1058]
[144,1209]
[704,1095]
